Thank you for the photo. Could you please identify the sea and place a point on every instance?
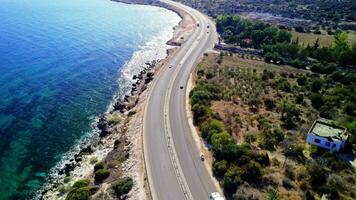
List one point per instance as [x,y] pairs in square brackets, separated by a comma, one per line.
[61,64]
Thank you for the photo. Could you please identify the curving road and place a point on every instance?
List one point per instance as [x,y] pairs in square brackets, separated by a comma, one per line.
[172,160]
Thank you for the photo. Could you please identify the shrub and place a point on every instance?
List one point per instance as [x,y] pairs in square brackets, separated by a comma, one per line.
[250,137]
[272,195]
[302,80]
[211,128]
[131,113]
[317,100]
[98,166]
[317,175]
[232,179]
[81,183]
[83,193]
[67,179]
[272,179]
[220,168]
[246,192]
[200,113]
[122,186]
[114,119]
[316,85]
[101,175]
[93,160]
[295,151]
[287,183]
[252,172]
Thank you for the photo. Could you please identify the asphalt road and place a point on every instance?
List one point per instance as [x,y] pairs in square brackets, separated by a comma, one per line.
[173,165]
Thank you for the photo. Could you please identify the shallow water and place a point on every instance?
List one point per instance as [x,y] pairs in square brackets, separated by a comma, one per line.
[59,69]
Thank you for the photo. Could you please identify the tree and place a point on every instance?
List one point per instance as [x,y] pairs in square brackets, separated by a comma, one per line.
[317,100]
[122,186]
[200,113]
[340,43]
[284,36]
[211,128]
[224,146]
[101,175]
[220,168]
[316,85]
[232,179]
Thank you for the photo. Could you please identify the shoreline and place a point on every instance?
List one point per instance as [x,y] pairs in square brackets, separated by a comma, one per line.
[126,137]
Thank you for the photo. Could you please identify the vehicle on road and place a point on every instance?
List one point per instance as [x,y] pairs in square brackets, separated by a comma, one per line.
[202,158]
[170,66]
[208,26]
[181,87]
[216,196]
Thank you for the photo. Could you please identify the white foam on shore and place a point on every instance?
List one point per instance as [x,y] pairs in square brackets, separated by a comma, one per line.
[155,48]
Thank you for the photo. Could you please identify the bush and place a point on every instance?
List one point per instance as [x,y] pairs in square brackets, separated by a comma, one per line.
[220,168]
[317,100]
[200,113]
[252,172]
[114,119]
[211,128]
[316,85]
[272,195]
[83,193]
[232,179]
[122,186]
[98,166]
[81,183]
[93,160]
[317,175]
[101,175]
[295,151]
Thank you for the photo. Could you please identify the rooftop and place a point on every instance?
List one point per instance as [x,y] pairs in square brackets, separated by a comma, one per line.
[324,128]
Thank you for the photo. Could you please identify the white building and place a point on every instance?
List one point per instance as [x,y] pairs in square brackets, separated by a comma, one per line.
[327,136]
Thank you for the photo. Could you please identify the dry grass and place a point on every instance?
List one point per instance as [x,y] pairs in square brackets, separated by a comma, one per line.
[240,88]
[324,39]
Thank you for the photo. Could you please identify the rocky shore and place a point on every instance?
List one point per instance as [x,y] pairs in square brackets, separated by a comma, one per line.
[118,140]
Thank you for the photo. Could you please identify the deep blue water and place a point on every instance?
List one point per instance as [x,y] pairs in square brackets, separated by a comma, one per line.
[59,65]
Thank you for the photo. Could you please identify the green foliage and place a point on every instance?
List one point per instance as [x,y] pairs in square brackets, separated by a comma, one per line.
[212,127]
[352,128]
[101,175]
[114,119]
[235,29]
[81,190]
[98,166]
[289,113]
[232,179]
[317,100]
[295,151]
[271,138]
[131,113]
[93,160]
[81,183]
[220,168]
[317,175]
[122,186]
[83,193]
[272,195]
[200,113]
[316,85]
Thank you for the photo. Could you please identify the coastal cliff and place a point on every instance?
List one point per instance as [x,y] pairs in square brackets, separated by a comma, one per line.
[118,149]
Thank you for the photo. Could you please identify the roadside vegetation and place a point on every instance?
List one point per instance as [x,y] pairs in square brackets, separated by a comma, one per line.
[256,115]
[328,15]
[279,47]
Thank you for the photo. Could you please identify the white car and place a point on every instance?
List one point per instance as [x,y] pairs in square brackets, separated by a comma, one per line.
[216,196]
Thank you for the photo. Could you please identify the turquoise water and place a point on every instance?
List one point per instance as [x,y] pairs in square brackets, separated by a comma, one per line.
[59,68]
